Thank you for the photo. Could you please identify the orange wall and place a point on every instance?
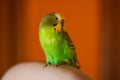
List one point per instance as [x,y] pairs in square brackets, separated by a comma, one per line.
[82,22]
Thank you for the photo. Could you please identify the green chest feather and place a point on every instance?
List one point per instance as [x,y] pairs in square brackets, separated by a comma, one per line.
[51,42]
[57,46]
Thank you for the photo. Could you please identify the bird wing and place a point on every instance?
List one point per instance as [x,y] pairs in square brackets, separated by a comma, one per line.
[71,46]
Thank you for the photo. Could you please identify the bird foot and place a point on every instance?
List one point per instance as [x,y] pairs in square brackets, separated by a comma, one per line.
[78,67]
[47,64]
[60,63]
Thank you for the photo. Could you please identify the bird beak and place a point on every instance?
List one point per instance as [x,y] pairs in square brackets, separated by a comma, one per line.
[59,27]
[62,22]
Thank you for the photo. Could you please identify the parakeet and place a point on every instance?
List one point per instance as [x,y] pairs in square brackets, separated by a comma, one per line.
[55,41]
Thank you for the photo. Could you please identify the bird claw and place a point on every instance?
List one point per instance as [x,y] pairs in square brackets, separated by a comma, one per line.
[60,63]
[78,67]
[47,64]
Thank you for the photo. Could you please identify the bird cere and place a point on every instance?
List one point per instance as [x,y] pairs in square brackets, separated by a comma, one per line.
[55,41]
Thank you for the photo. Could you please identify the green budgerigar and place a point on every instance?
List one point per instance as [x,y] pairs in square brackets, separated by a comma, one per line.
[56,43]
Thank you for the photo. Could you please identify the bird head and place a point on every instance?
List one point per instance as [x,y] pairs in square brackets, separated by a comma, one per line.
[54,21]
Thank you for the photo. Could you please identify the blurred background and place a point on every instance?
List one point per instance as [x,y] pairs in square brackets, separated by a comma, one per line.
[94,26]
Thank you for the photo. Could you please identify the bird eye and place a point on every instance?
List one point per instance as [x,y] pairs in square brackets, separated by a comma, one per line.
[56,18]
